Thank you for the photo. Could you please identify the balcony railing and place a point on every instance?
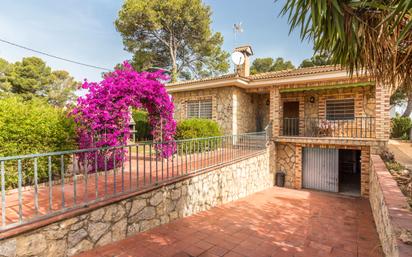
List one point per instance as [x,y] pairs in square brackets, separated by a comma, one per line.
[37,186]
[357,127]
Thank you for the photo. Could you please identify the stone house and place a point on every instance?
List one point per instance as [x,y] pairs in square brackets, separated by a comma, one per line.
[324,124]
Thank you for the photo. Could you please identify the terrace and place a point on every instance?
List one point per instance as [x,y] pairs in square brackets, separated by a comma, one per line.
[72,182]
[334,111]
[275,222]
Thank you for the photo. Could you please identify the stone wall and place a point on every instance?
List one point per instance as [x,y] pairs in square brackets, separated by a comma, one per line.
[244,112]
[235,110]
[144,211]
[287,158]
[286,162]
[262,110]
[390,210]
[222,105]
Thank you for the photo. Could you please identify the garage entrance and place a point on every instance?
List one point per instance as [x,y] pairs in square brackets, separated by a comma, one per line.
[349,172]
[331,170]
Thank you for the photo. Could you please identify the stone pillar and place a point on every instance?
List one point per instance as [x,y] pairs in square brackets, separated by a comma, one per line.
[298,167]
[235,113]
[382,123]
[272,160]
[365,166]
[275,111]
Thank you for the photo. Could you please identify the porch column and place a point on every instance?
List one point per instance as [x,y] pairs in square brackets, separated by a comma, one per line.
[382,122]
[275,111]
[298,167]
[365,166]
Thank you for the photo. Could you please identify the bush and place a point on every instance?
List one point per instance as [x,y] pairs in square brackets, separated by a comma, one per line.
[195,128]
[394,166]
[400,127]
[28,127]
[387,156]
[198,128]
[142,127]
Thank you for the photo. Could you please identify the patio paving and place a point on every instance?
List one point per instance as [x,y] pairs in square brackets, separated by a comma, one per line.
[275,222]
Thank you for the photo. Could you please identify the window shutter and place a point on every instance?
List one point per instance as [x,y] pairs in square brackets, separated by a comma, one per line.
[199,109]
[340,109]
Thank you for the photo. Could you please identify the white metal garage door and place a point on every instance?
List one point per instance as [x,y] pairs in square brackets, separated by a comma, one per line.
[321,169]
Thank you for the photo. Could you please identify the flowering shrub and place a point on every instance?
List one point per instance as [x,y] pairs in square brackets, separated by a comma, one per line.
[326,128]
[102,115]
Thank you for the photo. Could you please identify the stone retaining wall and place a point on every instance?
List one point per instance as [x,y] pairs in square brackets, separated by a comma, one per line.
[390,210]
[143,211]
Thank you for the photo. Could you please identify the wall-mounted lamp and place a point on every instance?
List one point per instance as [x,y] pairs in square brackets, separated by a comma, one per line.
[312,99]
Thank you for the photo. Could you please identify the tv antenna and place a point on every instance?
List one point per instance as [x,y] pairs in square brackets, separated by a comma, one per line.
[237,29]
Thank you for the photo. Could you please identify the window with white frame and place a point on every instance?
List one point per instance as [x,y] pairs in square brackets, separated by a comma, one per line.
[199,109]
[342,109]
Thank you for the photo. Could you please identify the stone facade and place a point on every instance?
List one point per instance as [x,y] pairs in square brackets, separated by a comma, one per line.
[285,162]
[370,101]
[222,105]
[364,98]
[288,159]
[142,212]
[233,108]
[390,210]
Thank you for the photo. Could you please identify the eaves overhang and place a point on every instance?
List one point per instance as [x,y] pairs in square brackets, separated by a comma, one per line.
[247,83]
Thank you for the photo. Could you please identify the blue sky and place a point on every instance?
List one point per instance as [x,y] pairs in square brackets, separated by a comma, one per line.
[83,30]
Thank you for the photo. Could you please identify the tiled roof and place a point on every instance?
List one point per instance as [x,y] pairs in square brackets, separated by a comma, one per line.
[185,82]
[295,72]
[266,75]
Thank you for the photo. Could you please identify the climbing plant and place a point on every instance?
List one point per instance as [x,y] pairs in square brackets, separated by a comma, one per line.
[103,114]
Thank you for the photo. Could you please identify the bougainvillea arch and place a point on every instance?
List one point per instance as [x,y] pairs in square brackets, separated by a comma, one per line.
[103,114]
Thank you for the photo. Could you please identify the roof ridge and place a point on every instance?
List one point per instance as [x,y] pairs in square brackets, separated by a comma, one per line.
[228,75]
[265,75]
[299,68]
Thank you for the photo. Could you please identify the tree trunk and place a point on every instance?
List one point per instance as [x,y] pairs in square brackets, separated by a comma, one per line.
[173,76]
[408,109]
[173,55]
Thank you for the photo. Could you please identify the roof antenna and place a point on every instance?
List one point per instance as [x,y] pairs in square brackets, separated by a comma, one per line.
[237,29]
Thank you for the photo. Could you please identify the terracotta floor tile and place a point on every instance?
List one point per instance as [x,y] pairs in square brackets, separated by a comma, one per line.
[276,222]
[181,254]
[342,253]
[207,254]
[217,250]
[194,250]
[233,254]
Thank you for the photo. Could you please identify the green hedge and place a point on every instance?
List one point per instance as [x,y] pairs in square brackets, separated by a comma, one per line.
[400,127]
[198,128]
[28,127]
[142,127]
[195,128]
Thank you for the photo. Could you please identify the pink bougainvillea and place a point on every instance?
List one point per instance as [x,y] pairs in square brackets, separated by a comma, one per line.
[103,114]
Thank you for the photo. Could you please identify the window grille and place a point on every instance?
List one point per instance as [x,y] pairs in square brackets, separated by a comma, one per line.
[340,109]
[199,109]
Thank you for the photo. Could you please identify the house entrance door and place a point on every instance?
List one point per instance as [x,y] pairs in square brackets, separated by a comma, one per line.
[291,118]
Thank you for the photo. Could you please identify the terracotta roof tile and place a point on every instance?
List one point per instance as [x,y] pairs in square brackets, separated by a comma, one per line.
[267,75]
[295,72]
[185,82]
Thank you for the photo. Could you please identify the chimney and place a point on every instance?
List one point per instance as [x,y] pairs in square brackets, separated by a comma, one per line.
[243,70]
